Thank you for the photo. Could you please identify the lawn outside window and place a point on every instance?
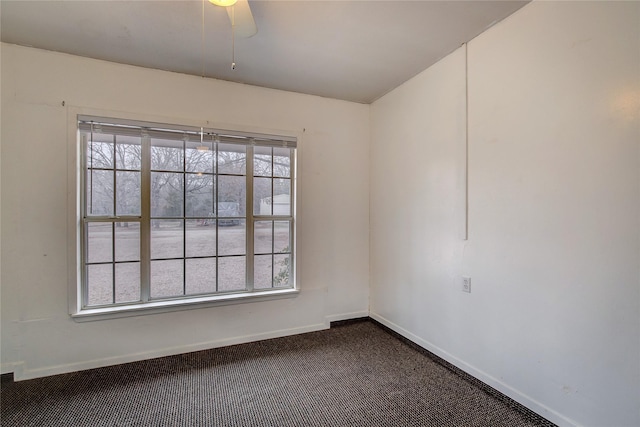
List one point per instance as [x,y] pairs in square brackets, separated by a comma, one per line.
[175,215]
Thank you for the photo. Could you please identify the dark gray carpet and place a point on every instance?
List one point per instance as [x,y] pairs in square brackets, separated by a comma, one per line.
[352,375]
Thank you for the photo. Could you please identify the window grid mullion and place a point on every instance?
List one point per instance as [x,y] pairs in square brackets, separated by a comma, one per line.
[292,225]
[84,239]
[91,168]
[216,210]
[115,193]
[113,262]
[113,227]
[184,215]
[145,221]
[273,227]
[249,221]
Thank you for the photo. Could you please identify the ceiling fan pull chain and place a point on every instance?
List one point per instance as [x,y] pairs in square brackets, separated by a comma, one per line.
[233,37]
[202,41]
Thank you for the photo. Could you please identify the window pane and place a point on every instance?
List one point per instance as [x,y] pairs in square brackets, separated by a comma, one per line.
[128,193]
[100,151]
[200,190]
[99,192]
[167,278]
[199,157]
[228,209]
[232,237]
[201,237]
[282,197]
[166,238]
[100,284]
[232,195]
[282,162]
[166,194]
[128,152]
[231,274]
[282,270]
[263,237]
[282,235]
[197,195]
[262,200]
[128,282]
[201,275]
[262,161]
[263,271]
[166,155]
[99,242]
[232,159]
[127,241]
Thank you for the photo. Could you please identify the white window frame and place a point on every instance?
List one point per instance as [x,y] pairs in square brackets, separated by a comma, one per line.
[76,269]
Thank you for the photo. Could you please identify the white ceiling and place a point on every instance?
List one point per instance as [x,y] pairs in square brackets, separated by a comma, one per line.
[351,50]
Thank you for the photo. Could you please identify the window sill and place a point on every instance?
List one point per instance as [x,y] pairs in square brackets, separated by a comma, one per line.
[104,313]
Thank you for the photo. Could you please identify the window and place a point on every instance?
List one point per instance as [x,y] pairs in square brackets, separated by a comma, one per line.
[175,213]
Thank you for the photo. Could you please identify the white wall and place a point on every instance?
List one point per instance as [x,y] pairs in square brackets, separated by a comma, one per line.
[39,337]
[553,319]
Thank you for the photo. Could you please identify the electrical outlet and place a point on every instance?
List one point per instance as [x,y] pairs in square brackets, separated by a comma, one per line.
[466,284]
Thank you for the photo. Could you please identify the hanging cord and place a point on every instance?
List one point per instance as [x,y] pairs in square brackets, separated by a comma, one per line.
[202,41]
[233,37]
[466,142]
[91,174]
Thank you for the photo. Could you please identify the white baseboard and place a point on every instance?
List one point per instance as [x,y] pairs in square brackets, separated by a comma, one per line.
[346,316]
[22,372]
[503,388]
[15,368]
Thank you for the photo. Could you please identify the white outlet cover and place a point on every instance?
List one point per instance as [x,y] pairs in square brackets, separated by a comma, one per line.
[466,284]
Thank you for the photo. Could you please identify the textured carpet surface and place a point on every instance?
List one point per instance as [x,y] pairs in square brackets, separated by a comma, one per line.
[352,375]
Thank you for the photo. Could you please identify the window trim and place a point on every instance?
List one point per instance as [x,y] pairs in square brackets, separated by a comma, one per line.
[169,305]
[75,266]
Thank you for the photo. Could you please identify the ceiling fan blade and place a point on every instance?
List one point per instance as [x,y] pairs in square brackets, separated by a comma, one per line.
[241,16]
